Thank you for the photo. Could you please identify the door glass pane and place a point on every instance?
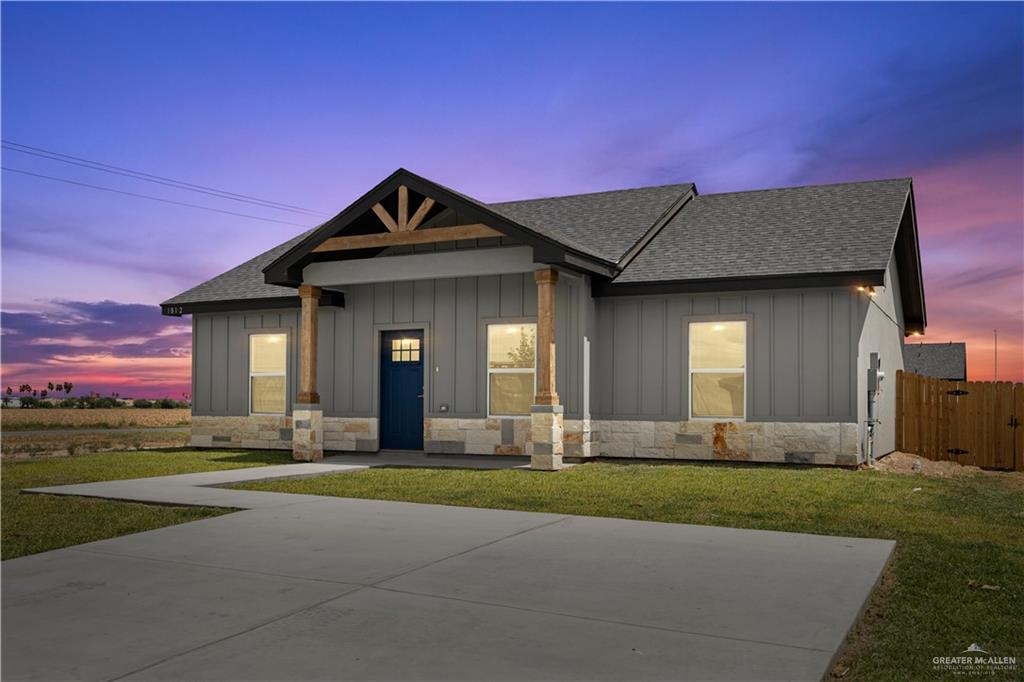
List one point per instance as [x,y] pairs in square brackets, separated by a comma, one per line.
[268,395]
[718,344]
[511,345]
[511,392]
[268,352]
[717,394]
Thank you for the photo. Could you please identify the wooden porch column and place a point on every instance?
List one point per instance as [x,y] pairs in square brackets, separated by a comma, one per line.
[546,393]
[310,297]
[307,417]
[546,414]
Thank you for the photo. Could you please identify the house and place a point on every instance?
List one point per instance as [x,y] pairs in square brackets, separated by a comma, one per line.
[649,323]
[938,360]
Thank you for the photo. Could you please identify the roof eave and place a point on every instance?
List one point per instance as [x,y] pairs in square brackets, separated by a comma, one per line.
[327,298]
[755,282]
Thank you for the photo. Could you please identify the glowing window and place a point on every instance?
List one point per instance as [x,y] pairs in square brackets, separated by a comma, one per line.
[718,374]
[268,380]
[511,368]
[405,350]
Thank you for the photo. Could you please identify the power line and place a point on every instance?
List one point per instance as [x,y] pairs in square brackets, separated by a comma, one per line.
[151,198]
[148,177]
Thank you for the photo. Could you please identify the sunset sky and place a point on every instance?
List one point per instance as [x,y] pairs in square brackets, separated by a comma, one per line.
[312,104]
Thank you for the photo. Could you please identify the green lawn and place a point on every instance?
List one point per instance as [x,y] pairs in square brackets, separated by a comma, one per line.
[954,536]
[37,523]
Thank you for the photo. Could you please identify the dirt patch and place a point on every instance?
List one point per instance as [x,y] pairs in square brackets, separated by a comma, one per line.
[18,446]
[904,463]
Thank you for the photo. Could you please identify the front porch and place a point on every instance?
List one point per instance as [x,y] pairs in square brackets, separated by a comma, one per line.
[336,264]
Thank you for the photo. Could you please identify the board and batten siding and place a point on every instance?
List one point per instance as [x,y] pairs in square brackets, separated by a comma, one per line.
[220,358]
[453,313]
[800,355]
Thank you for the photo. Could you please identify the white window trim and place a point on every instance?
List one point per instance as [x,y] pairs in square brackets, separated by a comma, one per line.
[507,370]
[268,374]
[690,371]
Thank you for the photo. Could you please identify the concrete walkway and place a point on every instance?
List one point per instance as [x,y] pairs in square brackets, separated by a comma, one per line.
[308,587]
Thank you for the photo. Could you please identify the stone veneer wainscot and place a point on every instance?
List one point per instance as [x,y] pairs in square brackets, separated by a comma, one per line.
[782,442]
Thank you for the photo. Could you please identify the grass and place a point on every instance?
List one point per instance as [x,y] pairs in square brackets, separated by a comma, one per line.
[32,445]
[39,419]
[37,523]
[954,536]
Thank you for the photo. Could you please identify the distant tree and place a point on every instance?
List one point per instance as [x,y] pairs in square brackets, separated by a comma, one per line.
[523,354]
[67,387]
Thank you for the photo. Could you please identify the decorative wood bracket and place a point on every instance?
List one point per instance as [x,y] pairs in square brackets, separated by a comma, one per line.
[403,223]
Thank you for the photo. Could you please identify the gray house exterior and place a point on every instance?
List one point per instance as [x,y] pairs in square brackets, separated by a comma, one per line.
[643,323]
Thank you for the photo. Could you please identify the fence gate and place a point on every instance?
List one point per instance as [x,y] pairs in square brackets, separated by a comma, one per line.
[969,422]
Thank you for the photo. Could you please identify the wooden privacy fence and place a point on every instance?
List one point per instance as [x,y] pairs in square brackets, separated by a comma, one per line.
[969,422]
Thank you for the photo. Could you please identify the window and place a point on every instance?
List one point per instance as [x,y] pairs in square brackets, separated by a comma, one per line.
[268,358]
[405,350]
[718,375]
[511,366]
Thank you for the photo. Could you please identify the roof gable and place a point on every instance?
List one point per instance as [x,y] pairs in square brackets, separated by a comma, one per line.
[550,245]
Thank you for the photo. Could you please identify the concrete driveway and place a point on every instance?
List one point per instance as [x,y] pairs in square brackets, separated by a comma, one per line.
[302,587]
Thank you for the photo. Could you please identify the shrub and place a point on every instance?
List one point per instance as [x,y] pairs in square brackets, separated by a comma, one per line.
[142,403]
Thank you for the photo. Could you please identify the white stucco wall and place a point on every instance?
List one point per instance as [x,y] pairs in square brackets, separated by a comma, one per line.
[880,334]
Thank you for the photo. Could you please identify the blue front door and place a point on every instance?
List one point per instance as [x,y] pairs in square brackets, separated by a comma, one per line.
[401,390]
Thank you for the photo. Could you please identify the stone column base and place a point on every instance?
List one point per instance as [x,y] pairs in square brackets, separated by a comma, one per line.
[546,434]
[307,433]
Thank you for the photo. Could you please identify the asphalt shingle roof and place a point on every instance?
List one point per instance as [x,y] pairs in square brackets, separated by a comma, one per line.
[604,224]
[799,230]
[939,360]
[802,230]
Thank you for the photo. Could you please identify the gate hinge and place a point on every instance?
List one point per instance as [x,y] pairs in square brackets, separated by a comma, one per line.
[956,451]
